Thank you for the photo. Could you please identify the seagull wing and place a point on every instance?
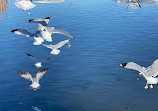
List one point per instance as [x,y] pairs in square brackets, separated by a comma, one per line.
[49,46]
[60,44]
[139,5]
[63,32]
[22,32]
[41,21]
[26,75]
[44,22]
[132,65]
[45,60]
[153,69]
[33,57]
[41,73]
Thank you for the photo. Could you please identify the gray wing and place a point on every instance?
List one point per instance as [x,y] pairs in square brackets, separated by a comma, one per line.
[153,69]
[60,44]
[45,60]
[49,46]
[41,21]
[25,75]
[63,32]
[44,22]
[33,57]
[22,32]
[41,73]
[132,65]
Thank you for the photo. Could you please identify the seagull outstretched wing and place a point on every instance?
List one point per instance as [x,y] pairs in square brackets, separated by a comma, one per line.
[22,32]
[132,65]
[45,60]
[49,46]
[44,22]
[41,73]
[60,44]
[33,57]
[26,75]
[63,32]
[153,69]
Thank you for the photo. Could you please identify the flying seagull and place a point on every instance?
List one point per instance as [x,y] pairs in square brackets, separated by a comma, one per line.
[44,22]
[55,48]
[149,73]
[38,63]
[24,32]
[25,5]
[35,81]
[134,4]
[48,31]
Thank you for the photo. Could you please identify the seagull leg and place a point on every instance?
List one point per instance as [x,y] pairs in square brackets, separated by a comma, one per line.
[151,86]
[146,87]
[23,11]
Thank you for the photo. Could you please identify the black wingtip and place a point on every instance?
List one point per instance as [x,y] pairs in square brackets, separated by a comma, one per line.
[48,17]
[13,30]
[31,20]
[123,65]
[29,55]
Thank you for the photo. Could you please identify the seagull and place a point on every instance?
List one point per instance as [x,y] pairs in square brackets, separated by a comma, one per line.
[25,5]
[149,73]
[44,22]
[134,4]
[55,48]
[48,31]
[35,81]
[38,63]
[24,32]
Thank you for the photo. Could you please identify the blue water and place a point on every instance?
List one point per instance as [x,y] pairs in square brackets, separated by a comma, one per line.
[87,76]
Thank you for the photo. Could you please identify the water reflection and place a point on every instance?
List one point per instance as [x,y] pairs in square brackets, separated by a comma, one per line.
[25,5]
[3,6]
[49,1]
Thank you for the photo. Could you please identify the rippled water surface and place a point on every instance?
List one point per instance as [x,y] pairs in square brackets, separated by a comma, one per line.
[87,76]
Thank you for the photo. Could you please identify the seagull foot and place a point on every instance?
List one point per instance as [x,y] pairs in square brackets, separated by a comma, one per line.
[137,78]
[151,86]
[146,87]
